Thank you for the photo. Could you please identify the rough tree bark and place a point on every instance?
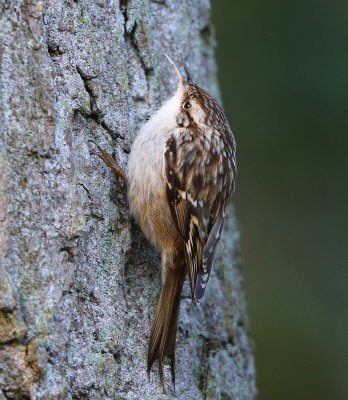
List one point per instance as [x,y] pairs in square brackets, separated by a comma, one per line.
[79,283]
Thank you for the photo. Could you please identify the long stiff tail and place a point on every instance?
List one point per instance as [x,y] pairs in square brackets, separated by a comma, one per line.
[164,327]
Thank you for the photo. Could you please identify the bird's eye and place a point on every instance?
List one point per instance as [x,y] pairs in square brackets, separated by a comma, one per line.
[187,105]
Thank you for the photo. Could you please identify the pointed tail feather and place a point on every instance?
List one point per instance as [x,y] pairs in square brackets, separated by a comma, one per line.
[208,258]
[164,327]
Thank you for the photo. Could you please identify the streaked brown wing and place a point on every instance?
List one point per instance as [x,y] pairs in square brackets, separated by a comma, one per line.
[187,212]
[197,198]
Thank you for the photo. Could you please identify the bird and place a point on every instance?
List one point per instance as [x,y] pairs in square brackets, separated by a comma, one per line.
[181,175]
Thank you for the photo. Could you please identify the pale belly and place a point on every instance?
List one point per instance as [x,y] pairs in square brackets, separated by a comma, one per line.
[147,189]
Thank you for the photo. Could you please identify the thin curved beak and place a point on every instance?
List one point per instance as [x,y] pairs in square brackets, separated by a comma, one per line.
[184,65]
[176,69]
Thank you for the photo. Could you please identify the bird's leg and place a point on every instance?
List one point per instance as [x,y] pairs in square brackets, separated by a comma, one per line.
[109,161]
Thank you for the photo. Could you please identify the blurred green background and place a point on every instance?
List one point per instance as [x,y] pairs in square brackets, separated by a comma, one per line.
[283,69]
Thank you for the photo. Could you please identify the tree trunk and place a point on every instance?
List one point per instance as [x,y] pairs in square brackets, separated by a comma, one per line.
[79,283]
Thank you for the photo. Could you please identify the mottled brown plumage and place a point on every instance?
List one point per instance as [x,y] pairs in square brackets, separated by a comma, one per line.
[181,174]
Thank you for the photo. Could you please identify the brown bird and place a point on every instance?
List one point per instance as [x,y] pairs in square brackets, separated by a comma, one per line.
[181,174]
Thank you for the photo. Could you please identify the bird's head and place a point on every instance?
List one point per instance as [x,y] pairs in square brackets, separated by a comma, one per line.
[195,107]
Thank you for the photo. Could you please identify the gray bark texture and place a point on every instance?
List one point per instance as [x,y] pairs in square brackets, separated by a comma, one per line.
[79,282]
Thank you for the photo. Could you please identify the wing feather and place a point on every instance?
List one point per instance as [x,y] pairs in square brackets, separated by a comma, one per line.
[185,211]
[208,258]
[199,225]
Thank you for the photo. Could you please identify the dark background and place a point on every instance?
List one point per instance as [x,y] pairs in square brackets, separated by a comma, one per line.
[283,70]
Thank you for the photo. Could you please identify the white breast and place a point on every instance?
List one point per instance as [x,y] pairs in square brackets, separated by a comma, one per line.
[145,167]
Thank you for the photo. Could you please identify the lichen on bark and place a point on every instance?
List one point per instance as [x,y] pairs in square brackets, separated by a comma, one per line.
[79,283]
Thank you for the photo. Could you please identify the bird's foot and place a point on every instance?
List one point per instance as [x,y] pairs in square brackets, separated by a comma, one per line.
[109,161]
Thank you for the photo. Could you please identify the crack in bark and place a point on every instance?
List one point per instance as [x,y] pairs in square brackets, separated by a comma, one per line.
[148,71]
[4,392]
[23,340]
[131,34]
[38,156]
[54,51]
[92,204]
[87,191]
[110,131]
[8,309]
[123,8]
[95,113]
